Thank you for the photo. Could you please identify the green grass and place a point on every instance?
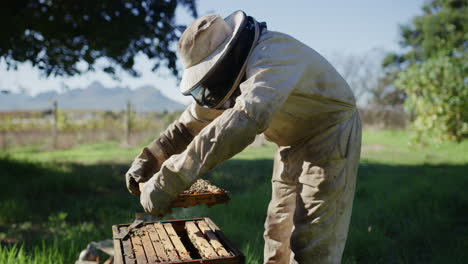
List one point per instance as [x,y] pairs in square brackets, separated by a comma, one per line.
[87,153]
[397,147]
[410,204]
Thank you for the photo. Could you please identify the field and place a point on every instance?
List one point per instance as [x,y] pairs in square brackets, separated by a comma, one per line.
[410,207]
[62,129]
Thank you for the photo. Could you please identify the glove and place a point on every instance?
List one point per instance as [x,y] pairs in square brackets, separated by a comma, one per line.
[134,176]
[144,166]
[153,199]
[172,141]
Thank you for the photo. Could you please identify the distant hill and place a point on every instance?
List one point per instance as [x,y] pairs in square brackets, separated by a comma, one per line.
[94,97]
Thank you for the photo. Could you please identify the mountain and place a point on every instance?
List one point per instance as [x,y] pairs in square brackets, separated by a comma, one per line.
[94,97]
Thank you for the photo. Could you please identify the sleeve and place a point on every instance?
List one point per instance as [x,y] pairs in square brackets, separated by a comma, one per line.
[271,80]
[179,134]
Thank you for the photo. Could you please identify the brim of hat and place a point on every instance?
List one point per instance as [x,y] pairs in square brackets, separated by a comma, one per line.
[193,75]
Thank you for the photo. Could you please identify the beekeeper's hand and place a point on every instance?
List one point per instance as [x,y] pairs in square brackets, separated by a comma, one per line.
[136,175]
[153,199]
[172,141]
[130,177]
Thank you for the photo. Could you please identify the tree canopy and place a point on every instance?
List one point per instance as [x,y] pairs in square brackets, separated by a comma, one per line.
[433,68]
[442,28]
[57,35]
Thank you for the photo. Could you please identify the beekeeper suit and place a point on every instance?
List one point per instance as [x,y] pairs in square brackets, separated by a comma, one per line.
[245,81]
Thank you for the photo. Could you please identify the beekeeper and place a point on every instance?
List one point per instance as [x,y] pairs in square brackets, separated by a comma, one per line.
[246,80]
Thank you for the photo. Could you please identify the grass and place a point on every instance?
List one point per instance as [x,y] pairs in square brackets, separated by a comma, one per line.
[410,204]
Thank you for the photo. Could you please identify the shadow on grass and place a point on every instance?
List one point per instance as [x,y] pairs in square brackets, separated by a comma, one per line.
[410,214]
[402,214]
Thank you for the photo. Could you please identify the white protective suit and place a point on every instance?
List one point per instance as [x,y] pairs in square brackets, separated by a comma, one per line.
[298,100]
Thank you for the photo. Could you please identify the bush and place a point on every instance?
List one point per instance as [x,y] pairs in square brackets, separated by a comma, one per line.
[437,93]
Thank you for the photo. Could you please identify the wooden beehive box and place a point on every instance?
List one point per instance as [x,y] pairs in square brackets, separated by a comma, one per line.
[201,192]
[177,241]
[209,199]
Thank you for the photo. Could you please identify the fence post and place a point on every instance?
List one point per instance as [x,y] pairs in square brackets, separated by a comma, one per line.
[55,124]
[128,122]
[4,139]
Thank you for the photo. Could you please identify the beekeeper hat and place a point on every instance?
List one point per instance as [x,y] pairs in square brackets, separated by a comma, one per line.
[204,43]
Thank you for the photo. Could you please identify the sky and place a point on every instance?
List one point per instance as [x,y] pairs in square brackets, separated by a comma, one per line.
[348,27]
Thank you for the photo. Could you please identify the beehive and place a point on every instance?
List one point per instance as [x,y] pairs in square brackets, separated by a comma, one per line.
[178,241]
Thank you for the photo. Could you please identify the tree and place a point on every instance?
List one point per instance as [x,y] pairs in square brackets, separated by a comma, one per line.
[56,36]
[441,29]
[438,94]
[432,71]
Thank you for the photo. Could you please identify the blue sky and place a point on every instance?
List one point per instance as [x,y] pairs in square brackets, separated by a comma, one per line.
[330,27]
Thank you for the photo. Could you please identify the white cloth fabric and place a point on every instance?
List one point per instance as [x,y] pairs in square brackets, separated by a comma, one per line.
[298,100]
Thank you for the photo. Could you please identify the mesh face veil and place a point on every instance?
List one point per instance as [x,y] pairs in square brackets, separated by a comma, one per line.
[223,80]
